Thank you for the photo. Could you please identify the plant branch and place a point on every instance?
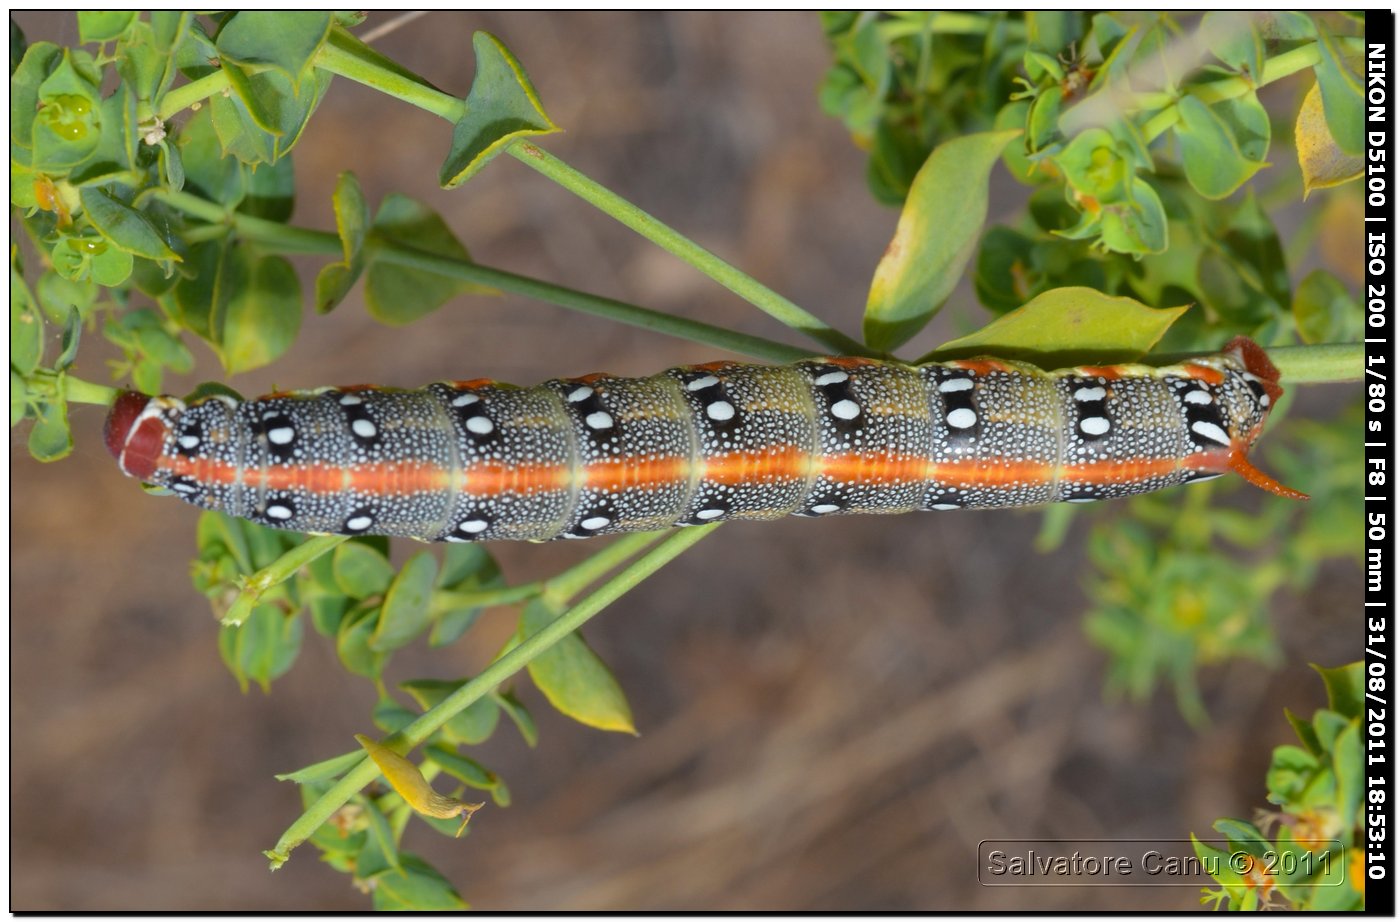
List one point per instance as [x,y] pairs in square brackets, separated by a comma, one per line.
[302,240]
[279,571]
[618,208]
[493,675]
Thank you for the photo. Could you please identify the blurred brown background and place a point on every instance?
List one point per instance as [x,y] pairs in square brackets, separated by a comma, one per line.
[833,713]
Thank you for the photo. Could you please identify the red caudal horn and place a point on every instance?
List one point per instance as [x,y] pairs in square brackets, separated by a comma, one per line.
[136,451]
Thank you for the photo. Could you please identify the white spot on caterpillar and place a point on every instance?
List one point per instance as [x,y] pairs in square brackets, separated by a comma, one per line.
[465,400]
[708,514]
[962,418]
[599,420]
[189,441]
[1198,397]
[954,385]
[1264,401]
[720,410]
[363,428]
[580,394]
[1093,425]
[943,507]
[282,435]
[359,523]
[1082,499]
[350,400]
[1210,431]
[845,409]
[595,523]
[699,384]
[281,513]
[473,527]
[824,508]
[480,425]
[831,377]
[183,487]
[455,539]
[1090,394]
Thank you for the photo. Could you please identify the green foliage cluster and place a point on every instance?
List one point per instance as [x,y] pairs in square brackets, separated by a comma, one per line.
[1315,858]
[160,216]
[1144,148]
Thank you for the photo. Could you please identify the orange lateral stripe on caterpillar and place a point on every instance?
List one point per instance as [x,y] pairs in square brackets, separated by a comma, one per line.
[475,460]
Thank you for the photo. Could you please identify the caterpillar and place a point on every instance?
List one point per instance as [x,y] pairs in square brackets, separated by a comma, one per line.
[578,457]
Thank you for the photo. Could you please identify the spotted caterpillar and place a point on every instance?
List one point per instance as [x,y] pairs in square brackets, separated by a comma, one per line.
[578,457]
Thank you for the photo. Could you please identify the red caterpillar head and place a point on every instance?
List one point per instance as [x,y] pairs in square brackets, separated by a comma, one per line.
[1260,371]
[135,433]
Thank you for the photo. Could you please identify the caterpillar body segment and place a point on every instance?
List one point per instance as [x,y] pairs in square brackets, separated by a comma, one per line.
[578,457]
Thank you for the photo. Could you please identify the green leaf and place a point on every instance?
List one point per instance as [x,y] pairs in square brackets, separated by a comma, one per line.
[1345,689]
[405,613]
[352,641]
[390,716]
[283,40]
[263,647]
[103,25]
[1324,311]
[417,887]
[1068,326]
[72,333]
[271,191]
[1290,770]
[26,328]
[58,295]
[262,317]
[1235,40]
[1323,162]
[69,123]
[396,295]
[323,771]
[19,398]
[51,439]
[1215,167]
[1096,167]
[1341,95]
[473,725]
[466,770]
[465,567]
[520,715]
[574,679]
[123,226]
[221,179]
[38,62]
[502,107]
[265,117]
[1305,732]
[1137,226]
[936,236]
[360,571]
[335,280]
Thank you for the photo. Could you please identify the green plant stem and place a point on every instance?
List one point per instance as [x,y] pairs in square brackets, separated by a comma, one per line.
[595,305]
[76,390]
[1328,363]
[618,208]
[280,570]
[493,675]
[302,240]
[1276,68]
[561,589]
[186,95]
[346,56]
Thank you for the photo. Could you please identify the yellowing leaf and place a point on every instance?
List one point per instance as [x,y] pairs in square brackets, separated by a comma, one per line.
[408,781]
[936,236]
[1324,164]
[1066,326]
